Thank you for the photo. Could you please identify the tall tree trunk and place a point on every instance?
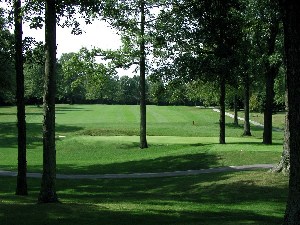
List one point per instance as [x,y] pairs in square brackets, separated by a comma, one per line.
[247,131]
[222,109]
[143,131]
[270,75]
[291,9]
[268,109]
[48,190]
[235,119]
[22,163]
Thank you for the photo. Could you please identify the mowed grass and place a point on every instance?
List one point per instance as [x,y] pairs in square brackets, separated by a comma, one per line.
[104,139]
[95,139]
[256,198]
[277,118]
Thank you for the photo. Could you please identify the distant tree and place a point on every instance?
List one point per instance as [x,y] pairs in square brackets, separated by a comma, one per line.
[198,40]
[82,78]
[34,69]
[157,92]
[7,67]
[72,78]
[134,19]
[264,33]
[176,91]
[129,90]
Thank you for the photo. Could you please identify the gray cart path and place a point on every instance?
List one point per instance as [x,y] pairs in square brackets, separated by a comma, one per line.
[4,173]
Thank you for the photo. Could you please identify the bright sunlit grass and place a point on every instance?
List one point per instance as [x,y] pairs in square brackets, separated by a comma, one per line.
[103,139]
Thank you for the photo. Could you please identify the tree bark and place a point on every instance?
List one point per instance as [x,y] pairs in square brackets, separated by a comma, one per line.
[270,75]
[268,109]
[235,119]
[284,163]
[22,163]
[222,109]
[247,131]
[143,130]
[291,18]
[48,190]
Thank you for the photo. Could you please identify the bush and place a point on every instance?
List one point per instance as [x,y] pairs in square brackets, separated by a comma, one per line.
[256,103]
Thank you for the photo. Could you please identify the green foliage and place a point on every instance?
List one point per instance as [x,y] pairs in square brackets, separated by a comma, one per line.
[157,92]
[82,78]
[34,71]
[256,103]
[203,92]
[7,73]
[128,90]
[176,92]
[279,88]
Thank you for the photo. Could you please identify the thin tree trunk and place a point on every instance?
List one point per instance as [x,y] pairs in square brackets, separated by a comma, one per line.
[222,110]
[143,131]
[48,190]
[291,23]
[22,163]
[235,120]
[247,131]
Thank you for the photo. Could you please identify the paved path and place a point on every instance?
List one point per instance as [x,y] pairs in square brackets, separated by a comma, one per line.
[148,175]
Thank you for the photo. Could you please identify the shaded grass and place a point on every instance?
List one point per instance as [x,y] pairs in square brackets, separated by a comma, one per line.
[256,198]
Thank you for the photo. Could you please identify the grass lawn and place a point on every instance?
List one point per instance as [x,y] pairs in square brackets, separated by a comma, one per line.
[96,139]
[256,198]
[277,118]
[104,139]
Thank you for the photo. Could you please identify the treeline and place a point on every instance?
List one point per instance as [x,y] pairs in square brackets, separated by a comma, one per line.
[83,80]
[80,79]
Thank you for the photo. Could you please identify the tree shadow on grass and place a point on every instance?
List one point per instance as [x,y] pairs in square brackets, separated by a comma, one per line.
[15,114]
[253,127]
[241,127]
[253,143]
[211,199]
[8,133]
[59,109]
[86,214]
[160,164]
